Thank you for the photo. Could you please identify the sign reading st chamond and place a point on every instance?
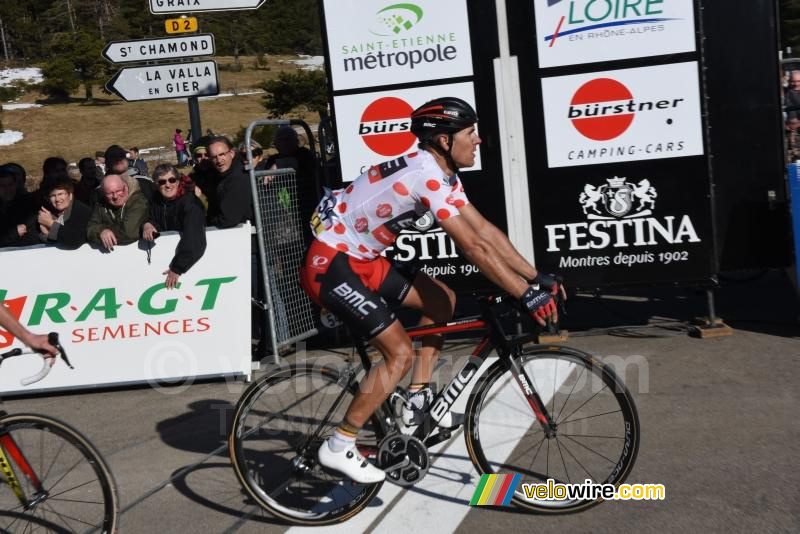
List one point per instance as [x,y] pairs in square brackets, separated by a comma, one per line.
[160,48]
[191,6]
[169,80]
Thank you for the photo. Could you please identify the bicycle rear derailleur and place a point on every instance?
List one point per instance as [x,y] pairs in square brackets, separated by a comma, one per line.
[404,458]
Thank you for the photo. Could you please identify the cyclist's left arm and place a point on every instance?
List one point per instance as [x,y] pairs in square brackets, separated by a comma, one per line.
[499,240]
[34,341]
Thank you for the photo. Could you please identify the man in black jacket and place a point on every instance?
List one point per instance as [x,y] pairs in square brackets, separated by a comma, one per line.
[234,195]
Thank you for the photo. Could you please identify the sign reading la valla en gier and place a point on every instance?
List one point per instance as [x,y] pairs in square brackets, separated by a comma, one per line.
[172,80]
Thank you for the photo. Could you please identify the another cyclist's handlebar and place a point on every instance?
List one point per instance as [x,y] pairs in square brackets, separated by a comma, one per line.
[52,338]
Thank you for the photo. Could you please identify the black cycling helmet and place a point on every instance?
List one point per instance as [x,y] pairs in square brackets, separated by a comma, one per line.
[446,115]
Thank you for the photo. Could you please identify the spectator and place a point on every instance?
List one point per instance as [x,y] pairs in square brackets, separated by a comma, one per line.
[292,155]
[176,209]
[137,162]
[258,154]
[792,100]
[203,176]
[63,220]
[19,174]
[180,147]
[118,217]
[15,209]
[100,162]
[86,188]
[117,163]
[234,196]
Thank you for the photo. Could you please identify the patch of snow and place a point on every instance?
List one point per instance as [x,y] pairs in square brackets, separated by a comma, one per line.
[151,149]
[221,95]
[308,62]
[7,107]
[9,137]
[31,75]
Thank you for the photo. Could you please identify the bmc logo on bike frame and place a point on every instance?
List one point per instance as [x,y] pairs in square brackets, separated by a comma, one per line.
[354,298]
[454,389]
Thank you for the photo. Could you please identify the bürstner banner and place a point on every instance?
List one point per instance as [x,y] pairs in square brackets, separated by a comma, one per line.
[376,127]
[379,42]
[623,115]
[118,322]
[626,223]
[571,32]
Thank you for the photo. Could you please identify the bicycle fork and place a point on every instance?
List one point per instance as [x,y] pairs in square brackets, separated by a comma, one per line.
[532,397]
[8,448]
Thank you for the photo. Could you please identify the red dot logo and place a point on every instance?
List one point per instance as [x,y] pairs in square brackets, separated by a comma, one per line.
[386,126]
[601,109]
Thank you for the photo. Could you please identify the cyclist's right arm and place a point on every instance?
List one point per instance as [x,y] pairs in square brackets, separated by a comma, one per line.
[483,253]
[34,341]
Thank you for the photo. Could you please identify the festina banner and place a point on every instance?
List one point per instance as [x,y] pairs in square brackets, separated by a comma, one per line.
[376,127]
[625,223]
[118,322]
[589,31]
[376,43]
[623,115]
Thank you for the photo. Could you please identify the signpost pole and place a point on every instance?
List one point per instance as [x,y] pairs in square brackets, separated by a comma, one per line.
[194,120]
[512,144]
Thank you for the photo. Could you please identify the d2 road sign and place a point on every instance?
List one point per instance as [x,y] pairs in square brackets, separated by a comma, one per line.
[192,6]
[160,48]
[181,25]
[171,80]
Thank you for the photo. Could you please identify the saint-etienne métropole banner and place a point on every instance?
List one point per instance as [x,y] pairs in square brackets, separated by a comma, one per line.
[620,189]
[385,60]
[118,322]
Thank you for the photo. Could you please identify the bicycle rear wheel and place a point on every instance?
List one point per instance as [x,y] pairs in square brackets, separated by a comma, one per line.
[597,435]
[277,429]
[79,493]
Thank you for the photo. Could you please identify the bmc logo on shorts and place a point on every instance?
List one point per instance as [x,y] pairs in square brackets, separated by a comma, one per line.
[354,298]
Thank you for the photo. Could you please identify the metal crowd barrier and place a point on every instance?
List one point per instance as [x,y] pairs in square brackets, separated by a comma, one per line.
[290,313]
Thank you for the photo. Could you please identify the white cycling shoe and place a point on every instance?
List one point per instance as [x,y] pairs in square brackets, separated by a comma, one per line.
[420,403]
[350,463]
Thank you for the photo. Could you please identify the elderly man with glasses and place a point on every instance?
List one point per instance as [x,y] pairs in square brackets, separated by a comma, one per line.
[118,217]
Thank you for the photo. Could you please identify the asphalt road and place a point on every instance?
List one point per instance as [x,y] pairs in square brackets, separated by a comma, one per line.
[718,417]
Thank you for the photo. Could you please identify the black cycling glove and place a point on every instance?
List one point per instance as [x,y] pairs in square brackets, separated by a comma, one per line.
[538,303]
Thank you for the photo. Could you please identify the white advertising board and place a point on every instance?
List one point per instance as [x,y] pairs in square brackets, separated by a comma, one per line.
[623,115]
[376,127]
[117,321]
[376,42]
[570,32]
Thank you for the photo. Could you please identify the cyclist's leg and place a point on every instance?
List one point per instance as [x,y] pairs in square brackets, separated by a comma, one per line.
[436,301]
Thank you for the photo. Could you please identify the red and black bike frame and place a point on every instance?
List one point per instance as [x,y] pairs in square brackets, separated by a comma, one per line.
[9,450]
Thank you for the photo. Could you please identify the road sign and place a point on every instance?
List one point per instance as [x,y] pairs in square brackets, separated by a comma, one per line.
[181,25]
[194,6]
[160,48]
[171,80]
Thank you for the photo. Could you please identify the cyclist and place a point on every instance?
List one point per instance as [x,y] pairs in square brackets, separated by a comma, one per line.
[34,341]
[345,272]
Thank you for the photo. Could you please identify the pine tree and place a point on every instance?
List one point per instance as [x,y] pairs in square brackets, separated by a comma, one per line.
[76,61]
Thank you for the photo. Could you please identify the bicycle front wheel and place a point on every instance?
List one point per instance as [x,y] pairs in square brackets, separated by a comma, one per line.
[597,426]
[278,426]
[75,491]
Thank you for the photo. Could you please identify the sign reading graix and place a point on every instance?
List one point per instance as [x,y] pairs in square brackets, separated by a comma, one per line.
[623,115]
[189,6]
[375,42]
[122,330]
[160,48]
[570,32]
[172,80]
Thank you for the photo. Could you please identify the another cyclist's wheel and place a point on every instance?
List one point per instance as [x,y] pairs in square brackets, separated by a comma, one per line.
[76,491]
[278,426]
[597,435]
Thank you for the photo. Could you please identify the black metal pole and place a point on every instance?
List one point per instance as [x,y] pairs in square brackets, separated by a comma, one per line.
[194,120]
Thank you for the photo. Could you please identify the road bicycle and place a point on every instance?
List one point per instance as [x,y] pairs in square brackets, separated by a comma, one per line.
[540,411]
[59,481]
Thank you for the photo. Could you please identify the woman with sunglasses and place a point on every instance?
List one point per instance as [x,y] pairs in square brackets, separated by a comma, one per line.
[174,208]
